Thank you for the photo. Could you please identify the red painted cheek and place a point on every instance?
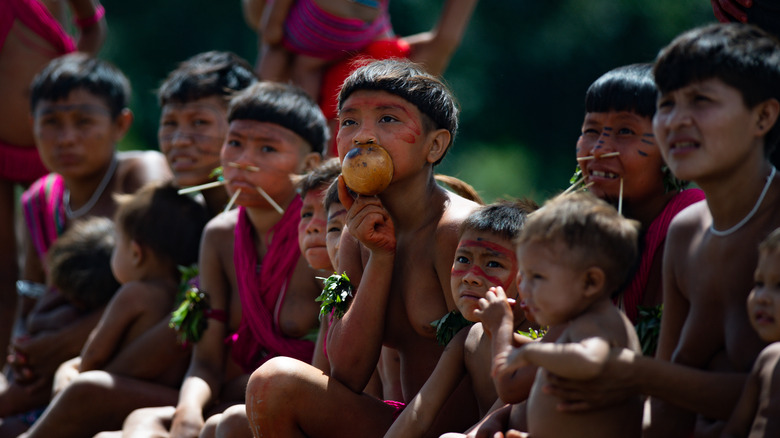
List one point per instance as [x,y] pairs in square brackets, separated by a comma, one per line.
[458,272]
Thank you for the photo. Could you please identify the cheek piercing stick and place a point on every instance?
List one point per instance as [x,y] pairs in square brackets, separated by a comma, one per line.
[232,200]
[620,198]
[245,167]
[593,157]
[270,200]
[573,186]
[202,187]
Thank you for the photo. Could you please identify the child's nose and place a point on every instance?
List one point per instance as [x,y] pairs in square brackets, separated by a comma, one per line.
[471,278]
[315,226]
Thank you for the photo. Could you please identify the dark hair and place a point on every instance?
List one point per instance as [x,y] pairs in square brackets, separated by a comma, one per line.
[331,195]
[741,55]
[204,75]
[76,71]
[167,223]
[80,263]
[503,218]
[284,105]
[594,233]
[322,175]
[409,81]
[627,88]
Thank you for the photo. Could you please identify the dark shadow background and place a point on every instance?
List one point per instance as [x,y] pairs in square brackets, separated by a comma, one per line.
[520,74]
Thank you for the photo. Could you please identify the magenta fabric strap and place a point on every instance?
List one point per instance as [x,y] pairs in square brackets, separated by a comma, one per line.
[82,23]
[258,338]
[44,212]
[654,237]
[34,15]
[311,31]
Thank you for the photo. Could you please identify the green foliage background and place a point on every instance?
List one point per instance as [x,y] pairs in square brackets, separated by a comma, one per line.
[520,74]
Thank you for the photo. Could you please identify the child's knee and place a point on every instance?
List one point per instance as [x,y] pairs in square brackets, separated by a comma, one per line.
[234,423]
[274,378]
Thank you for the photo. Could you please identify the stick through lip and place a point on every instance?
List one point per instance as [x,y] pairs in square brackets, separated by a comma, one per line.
[270,200]
[232,200]
[246,167]
[593,157]
[620,198]
[201,187]
[573,186]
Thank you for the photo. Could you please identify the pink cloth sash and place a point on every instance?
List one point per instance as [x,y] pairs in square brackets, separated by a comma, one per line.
[34,15]
[654,237]
[44,212]
[258,338]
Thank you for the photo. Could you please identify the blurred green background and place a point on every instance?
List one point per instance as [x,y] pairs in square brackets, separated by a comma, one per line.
[520,74]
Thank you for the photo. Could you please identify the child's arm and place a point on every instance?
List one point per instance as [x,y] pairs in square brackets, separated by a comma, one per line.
[419,414]
[355,340]
[272,23]
[745,411]
[91,24]
[573,360]
[434,49]
[106,338]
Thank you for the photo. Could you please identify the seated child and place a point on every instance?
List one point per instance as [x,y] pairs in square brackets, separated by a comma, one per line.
[336,222]
[485,259]
[80,268]
[193,119]
[157,230]
[572,254]
[756,413]
[312,227]
[81,101]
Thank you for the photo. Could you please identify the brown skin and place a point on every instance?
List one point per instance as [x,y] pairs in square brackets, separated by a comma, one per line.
[410,233]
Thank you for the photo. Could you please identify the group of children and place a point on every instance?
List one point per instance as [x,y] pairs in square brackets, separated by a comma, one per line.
[420,263]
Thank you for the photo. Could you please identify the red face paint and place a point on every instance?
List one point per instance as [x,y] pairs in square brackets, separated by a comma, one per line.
[497,249]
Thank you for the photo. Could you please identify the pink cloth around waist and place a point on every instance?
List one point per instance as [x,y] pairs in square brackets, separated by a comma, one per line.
[311,31]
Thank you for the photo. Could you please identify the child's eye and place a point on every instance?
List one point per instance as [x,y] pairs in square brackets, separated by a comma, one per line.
[233,143]
[590,131]
[267,149]
[334,229]
[462,259]
[306,214]
[83,121]
[169,123]
[625,131]
[386,119]
[664,103]
[759,284]
[494,264]
[199,122]
[347,122]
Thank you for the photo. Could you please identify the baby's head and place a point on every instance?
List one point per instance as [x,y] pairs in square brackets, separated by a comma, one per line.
[741,56]
[411,83]
[312,227]
[156,221]
[80,263]
[193,120]
[763,303]
[485,256]
[336,222]
[573,251]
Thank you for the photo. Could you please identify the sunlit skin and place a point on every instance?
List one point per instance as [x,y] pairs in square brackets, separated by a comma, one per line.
[191,135]
[549,286]
[702,127]
[312,231]
[337,215]
[269,147]
[121,258]
[763,303]
[639,161]
[385,119]
[72,134]
[482,260]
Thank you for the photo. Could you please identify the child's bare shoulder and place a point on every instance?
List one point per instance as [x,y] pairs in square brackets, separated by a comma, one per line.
[221,226]
[140,296]
[769,357]
[608,323]
[688,222]
[135,169]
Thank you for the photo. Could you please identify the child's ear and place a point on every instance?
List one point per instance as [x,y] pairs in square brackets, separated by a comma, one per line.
[767,115]
[138,253]
[439,144]
[310,161]
[122,123]
[594,281]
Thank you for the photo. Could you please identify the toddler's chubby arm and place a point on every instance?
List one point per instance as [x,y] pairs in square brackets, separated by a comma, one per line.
[747,417]
[272,21]
[419,414]
[572,360]
[355,340]
[105,339]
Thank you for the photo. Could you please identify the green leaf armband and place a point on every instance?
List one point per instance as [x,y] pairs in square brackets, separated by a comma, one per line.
[189,318]
[448,326]
[336,292]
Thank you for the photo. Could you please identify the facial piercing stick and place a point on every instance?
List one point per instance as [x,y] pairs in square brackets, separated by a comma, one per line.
[573,186]
[620,198]
[270,201]
[201,187]
[232,200]
[247,167]
[593,157]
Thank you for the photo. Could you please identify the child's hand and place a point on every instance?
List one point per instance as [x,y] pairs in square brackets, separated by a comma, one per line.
[494,309]
[186,423]
[368,220]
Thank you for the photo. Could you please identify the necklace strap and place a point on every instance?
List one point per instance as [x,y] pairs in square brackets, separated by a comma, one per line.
[81,211]
[752,213]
